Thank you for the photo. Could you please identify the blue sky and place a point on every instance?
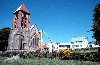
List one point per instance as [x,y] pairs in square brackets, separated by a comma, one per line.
[60,19]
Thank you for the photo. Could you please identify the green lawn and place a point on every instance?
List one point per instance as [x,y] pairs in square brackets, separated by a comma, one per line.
[46,62]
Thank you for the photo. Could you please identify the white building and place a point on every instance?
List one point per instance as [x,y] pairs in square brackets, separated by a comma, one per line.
[76,43]
[51,46]
[93,45]
[79,42]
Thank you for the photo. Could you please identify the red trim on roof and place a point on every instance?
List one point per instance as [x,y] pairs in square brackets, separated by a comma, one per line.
[44,46]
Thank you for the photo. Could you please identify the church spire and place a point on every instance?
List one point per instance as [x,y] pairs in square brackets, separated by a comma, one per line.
[21,18]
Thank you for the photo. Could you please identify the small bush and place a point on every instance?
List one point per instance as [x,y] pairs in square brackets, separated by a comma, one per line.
[8,54]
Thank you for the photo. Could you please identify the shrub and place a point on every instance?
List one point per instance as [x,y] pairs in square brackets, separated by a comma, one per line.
[8,54]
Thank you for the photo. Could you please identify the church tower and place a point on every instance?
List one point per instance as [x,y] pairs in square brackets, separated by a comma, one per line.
[20,33]
[21,18]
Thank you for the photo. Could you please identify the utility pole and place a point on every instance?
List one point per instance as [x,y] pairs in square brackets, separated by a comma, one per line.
[49,39]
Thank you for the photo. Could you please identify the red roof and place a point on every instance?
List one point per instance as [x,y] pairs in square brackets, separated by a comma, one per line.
[23,8]
[44,46]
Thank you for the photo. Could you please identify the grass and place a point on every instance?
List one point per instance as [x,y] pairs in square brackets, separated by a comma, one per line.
[46,61]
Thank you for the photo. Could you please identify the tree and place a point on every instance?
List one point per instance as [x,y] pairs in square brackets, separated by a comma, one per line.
[4,34]
[96,23]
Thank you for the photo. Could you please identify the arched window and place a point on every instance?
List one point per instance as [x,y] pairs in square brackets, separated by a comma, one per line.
[15,25]
[21,24]
[25,24]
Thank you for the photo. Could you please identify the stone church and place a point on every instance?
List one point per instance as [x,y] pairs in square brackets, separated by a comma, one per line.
[23,36]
